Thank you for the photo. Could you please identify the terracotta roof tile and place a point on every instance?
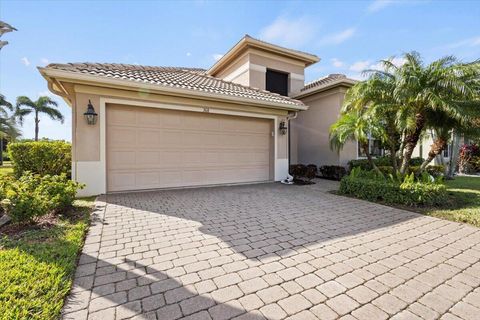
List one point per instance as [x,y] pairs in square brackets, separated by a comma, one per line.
[324,81]
[194,79]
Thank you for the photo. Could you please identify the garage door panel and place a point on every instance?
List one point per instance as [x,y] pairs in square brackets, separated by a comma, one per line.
[148,138]
[121,136]
[121,159]
[171,119]
[148,118]
[154,148]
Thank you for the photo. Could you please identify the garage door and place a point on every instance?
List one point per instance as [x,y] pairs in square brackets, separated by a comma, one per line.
[157,148]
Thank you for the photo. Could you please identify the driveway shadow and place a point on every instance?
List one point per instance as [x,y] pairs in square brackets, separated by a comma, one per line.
[121,288]
[262,220]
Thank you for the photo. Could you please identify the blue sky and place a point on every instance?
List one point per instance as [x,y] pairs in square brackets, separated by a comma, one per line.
[347,35]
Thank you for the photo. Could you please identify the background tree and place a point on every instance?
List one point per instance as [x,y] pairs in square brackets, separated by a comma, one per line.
[44,105]
[355,125]
[8,126]
[407,100]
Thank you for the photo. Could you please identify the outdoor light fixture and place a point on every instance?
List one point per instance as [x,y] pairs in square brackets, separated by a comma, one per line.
[90,115]
[283,127]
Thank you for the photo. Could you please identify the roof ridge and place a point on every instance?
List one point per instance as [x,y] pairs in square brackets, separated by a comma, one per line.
[126,66]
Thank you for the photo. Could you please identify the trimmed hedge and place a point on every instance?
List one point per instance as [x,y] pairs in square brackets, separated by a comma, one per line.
[33,195]
[332,172]
[380,162]
[434,170]
[42,157]
[390,192]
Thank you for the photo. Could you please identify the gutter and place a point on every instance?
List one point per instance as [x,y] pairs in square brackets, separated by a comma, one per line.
[51,74]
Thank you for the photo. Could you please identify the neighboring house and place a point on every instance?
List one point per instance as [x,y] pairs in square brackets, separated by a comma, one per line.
[243,120]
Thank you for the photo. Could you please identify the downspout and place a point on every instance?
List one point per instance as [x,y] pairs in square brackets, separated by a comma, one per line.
[290,116]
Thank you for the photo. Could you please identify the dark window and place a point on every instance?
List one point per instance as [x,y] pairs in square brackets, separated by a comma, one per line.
[277,82]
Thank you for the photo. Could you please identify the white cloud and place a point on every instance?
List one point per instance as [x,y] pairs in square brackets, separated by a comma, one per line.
[378,5]
[44,61]
[217,56]
[337,63]
[25,61]
[289,32]
[470,42]
[189,54]
[359,66]
[339,37]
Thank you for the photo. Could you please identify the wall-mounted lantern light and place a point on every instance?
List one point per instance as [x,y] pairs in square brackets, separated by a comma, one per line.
[283,127]
[90,115]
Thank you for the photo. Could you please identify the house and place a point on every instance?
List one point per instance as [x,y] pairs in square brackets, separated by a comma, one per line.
[243,120]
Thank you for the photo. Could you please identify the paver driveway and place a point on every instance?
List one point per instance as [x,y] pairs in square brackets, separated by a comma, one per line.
[272,251]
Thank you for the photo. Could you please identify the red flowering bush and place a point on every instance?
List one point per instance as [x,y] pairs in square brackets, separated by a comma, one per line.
[469,158]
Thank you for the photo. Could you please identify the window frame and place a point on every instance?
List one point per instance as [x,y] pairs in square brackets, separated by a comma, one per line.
[287,74]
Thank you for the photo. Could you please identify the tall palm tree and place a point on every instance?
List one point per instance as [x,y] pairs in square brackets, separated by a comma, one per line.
[376,95]
[356,125]
[43,105]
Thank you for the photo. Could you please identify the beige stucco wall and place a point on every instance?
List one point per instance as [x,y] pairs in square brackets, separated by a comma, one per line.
[249,69]
[86,138]
[310,142]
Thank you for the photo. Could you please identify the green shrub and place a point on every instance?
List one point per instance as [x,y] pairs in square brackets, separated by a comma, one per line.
[409,192]
[33,195]
[42,157]
[433,170]
[417,161]
[384,161]
[332,172]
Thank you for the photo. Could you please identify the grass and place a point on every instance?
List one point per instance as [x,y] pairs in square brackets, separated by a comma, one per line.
[464,202]
[6,168]
[38,263]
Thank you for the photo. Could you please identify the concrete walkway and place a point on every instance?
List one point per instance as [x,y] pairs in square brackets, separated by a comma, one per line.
[271,251]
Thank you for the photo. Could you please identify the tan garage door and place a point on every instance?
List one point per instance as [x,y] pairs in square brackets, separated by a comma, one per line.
[157,148]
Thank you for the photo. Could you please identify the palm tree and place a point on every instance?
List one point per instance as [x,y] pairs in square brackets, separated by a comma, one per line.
[403,97]
[8,126]
[43,105]
[375,94]
[356,125]
[437,87]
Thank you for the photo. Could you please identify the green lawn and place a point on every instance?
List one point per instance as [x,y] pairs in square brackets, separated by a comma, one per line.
[36,266]
[6,168]
[464,202]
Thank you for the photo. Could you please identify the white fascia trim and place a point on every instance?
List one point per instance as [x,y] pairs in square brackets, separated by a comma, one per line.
[101,170]
[168,90]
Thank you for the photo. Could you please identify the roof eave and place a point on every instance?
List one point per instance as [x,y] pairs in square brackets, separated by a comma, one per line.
[308,59]
[58,75]
[309,92]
